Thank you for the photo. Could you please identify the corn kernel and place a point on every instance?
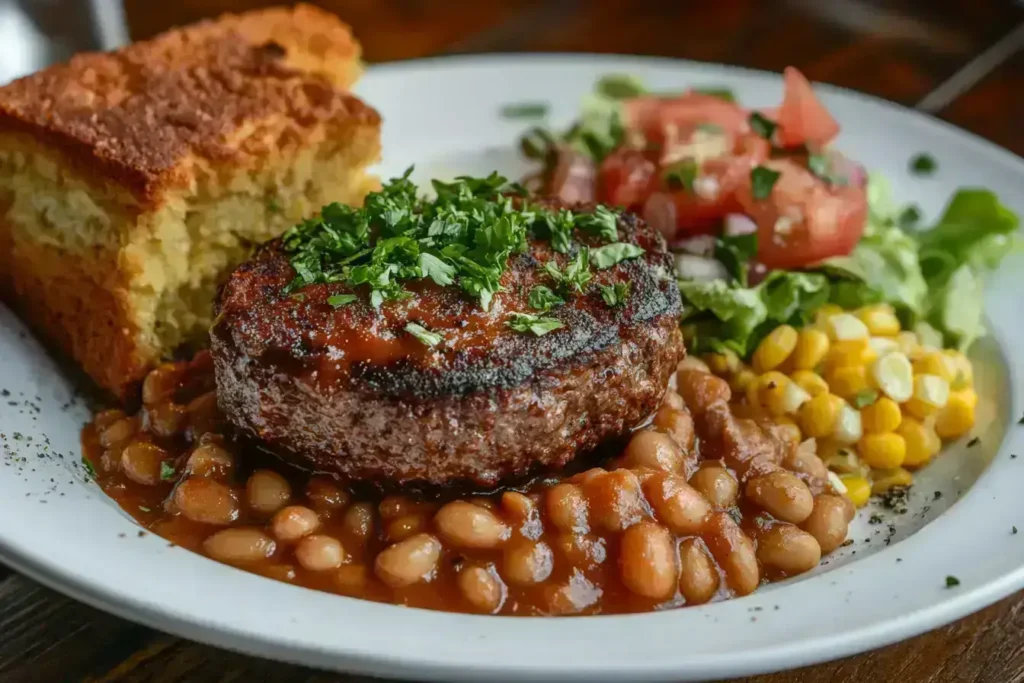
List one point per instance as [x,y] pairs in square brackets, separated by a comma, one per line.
[928,336]
[921,441]
[840,458]
[963,371]
[908,343]
[848,427]
[822,315]
[880,320]
[743,378]
[844,327]
[810,381]
[765,389]
[893,374]
[884,480]
[935,362]
[851,352]
[818,417]
[957,417]
[848,381]
[774,349]
[931,393]
[811,348]
[723,364]
[780,396]
[858,490]
[881,416]
[883,345]
[882,451]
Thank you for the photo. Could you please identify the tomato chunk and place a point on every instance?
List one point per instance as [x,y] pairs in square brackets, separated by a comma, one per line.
[627,177]
[802,118]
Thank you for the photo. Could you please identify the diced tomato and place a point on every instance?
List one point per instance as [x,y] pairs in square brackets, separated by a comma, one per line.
[627,177]
[654,116]
[804,219]
[802,118]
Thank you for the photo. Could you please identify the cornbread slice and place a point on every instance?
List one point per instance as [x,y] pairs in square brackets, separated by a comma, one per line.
[131,181]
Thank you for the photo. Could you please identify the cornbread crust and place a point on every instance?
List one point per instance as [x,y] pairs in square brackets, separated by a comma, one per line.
[131,181]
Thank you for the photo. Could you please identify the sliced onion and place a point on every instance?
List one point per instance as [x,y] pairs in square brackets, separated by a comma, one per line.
[660,214]
[701,245]
[575,177]
[738,224]
[699,268]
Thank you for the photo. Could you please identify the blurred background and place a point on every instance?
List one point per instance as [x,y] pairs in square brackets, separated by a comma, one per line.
[962,60]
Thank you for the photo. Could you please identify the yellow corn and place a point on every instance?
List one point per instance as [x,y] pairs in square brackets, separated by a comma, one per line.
[723,364]
[880,319]
[883,480]
[811,348]
[844,327]
[882,451]
[881,416]
[774,349]
[840,458]
[810,381]
[922,443]
[935,362]
[743,378]
[858,490]
[851,352]
[931,393]
[957,417]
[909,344]
[963,371]
[766,388]
[848,380]
[822,315]
[818,416]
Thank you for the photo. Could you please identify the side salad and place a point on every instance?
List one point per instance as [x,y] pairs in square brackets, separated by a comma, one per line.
[767,220]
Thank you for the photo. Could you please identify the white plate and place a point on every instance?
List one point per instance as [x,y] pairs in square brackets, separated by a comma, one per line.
[443,115]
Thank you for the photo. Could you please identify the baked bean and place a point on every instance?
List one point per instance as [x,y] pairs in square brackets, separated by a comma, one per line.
[587,475]
[781,494]
[401,528]
[571,596]
[352,577]
[278,572]
[358,521]
[585,551]
[788,549]
[240,545]
[828,522]
[325,496]
[522,509]
[166,419]
[701,390]
[106,418]
[698,575]
[267,492]
[396,506]
[693,363]
[678,505]
[118,433]
[205,500]
[409,561]
[567,507]
[293,522]
[527,562]
[647,561]
[486,503]
[141,462]
[110,461]
[673,400]
[654,451]
[615,499]
[466,525]
[803,461]
[717,485]
[318,553]
[203,413]
[733,552]
[678,424]
[210,460]
[161,383]
[481,588]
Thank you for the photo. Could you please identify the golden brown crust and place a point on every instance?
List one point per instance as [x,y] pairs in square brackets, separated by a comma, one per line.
[139,114]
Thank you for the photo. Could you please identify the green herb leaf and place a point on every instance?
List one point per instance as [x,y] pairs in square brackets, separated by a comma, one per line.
[611,254]
[525,110]
[680,175]
[721,93]
[539,144]
[762,125]
[538,325]
[864,398]
[437,270]
[603,222]
[543,299]
[89,469]
[619,86]
[923,164]
[339,300]
[762,180]
[821,166]
[575,276]
[427,337]
[167,471]
[560,226]
[909,217]
[616,294]
[735,252]
[952,582]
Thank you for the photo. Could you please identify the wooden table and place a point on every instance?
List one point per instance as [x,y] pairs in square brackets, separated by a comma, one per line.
[961,60]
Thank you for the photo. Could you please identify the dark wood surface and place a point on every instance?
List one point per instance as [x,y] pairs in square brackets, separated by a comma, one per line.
[961,60]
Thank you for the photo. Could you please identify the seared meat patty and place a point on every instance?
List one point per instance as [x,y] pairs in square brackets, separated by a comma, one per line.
[348,390]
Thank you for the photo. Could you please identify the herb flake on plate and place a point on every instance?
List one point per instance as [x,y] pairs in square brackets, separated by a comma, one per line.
[952,582]
[762,125]
[543,299]
[425,336]
[537,324]
[525,110]
[762,180]
[167,471]
[339,300]
[923,164]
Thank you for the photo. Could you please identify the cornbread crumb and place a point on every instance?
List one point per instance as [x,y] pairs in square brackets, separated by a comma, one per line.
[131,181]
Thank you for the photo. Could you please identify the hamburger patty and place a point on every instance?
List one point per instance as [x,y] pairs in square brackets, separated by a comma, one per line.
[348,390]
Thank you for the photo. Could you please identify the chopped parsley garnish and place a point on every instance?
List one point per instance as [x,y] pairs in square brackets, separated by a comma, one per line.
[952,582]
[560,227]
[819,165]
[611,254]
[339,300]
[864,398]
[603,222]
[543,299]
[680,175]
[735,252]
[167,471]
[909,217]
[923,164]
[427,337]
[619,86]
[973,442]
[762,125]
[615,295]
[1021,420]
[89,469]
[525,110]
[719,92]
[762,180]
[539,144]
[575,276]
[537,324]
